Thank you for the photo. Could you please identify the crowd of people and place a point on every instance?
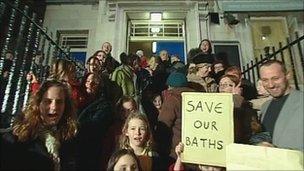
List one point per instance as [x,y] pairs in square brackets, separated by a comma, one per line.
[128,115]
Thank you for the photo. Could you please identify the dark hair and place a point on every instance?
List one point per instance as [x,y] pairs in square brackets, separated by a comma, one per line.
[96,53]
[117,155]
[123,58]
[234,68]
[270,62]
[210,47]
[192,52]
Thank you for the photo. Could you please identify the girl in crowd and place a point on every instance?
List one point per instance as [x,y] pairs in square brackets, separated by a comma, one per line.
[205,46]
[124,107]
[123,159]
[152,102]
[90,90]
[93,65]
[136,136]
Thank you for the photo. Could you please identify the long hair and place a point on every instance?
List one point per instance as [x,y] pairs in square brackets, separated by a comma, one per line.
[117,155]
[124,140]
[210,46]
[63,69]
[28,124]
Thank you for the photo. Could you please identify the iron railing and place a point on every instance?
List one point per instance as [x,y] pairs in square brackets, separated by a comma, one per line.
[291,55]
[24,38]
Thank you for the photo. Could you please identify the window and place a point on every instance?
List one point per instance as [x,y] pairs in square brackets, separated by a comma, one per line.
[76,41]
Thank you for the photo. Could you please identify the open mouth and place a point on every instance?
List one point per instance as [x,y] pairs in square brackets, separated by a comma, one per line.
[139,139]
[52,115]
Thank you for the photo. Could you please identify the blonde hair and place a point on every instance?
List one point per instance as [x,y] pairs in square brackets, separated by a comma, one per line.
[124,142]
[28,124]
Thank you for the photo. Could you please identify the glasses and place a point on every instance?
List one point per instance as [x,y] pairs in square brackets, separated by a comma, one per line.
[226,85]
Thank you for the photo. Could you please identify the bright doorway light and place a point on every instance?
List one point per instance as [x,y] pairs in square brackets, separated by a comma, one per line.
[155,29]
[154,44]
[155,16]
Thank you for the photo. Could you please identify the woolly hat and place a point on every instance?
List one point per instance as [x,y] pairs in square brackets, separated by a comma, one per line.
[177,79]
[203,58]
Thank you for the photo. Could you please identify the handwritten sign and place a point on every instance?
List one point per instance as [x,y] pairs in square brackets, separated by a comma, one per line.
[207,127]
[249,157]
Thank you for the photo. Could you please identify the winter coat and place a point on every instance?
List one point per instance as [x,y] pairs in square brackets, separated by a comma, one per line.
[94,122]
[170,120]
[124,77]
[208,84]
[33,154]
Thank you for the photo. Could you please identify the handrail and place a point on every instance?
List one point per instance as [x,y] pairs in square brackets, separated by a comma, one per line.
[274,54]
[44,33]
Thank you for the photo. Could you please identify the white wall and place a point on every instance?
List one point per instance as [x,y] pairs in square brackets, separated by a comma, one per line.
[95,18]
[73,17]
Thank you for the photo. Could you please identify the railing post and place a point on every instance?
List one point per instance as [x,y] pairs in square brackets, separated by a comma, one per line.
[257,67]
[248,73]
[2,9]
[293,66]
[8,36]
[244,69]
[48,52]
[43,45]
[253,73]
[300,50]
[282,54]
[19,96]
[273,51]
[10,90]
[31,62]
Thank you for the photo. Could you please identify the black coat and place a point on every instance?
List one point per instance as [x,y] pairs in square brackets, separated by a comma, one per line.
[94,122]
[33,155]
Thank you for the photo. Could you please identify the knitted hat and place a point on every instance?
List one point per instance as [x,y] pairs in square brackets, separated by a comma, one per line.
[177,79]
[203,58]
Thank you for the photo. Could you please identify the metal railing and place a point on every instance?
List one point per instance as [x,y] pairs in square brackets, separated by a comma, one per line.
[291,55]
[23,38]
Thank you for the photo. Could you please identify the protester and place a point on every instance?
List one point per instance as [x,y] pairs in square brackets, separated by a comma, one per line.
[282,116]
[123,159]
[137,135]
[41,137]
[168,130]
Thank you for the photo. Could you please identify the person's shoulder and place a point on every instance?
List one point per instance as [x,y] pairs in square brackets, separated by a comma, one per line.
[8,136]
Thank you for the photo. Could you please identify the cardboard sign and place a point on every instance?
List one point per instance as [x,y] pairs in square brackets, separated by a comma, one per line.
[207,127]
[249,157]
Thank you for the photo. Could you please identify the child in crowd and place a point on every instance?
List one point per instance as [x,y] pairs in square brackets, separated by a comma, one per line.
[123,159]
[136,135]
[125,106]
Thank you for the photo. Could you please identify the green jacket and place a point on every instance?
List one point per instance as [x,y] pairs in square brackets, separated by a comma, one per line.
[124,76]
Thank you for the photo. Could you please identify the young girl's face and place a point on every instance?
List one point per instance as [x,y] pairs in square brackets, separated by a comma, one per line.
[126,162]
[137,132]
[157,102]
[91,84]
[128,106]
